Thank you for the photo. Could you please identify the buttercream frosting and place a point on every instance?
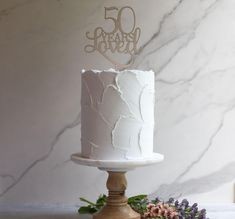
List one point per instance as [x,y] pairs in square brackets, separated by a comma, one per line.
[117,114]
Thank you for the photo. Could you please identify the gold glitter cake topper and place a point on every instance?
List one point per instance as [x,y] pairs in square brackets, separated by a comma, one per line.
[116,41]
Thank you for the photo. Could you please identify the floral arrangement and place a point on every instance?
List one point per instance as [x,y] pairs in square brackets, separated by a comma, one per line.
[154,209]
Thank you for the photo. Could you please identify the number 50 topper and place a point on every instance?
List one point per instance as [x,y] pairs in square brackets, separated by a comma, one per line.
[116,41]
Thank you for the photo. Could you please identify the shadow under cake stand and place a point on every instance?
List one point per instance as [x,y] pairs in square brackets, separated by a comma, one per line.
[117,207]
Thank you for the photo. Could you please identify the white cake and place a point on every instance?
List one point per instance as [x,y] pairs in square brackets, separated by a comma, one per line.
[117,114]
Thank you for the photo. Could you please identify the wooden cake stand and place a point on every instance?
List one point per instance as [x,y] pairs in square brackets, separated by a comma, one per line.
[117,206]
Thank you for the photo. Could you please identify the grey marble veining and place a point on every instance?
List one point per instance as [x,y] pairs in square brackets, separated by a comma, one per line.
[75,123]
[210,141]
[191,47]
[156,34]
[181,189]
[187,35]
[5,11]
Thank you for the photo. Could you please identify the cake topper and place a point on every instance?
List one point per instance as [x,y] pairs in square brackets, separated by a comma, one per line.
[116,41]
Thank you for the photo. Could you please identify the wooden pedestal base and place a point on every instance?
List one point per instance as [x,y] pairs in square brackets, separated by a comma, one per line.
[116,207]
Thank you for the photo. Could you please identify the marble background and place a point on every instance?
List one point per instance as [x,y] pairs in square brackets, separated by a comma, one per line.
[190,44]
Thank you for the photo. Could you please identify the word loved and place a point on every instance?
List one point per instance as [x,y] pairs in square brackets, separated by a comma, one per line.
[116,41]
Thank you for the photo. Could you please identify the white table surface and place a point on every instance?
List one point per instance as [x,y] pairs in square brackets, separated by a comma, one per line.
[222,211]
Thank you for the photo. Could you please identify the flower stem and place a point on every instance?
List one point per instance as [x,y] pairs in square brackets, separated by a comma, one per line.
[85,200]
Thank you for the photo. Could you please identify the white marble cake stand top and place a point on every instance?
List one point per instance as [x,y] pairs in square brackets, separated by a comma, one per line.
[117,165]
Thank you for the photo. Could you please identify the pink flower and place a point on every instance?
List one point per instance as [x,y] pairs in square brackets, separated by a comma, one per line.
[160,209]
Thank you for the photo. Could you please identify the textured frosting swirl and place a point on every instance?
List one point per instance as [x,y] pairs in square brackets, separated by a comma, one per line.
[117,115]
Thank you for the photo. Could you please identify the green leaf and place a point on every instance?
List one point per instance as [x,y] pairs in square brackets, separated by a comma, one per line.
[136,198]
[87,210]
[101,200]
